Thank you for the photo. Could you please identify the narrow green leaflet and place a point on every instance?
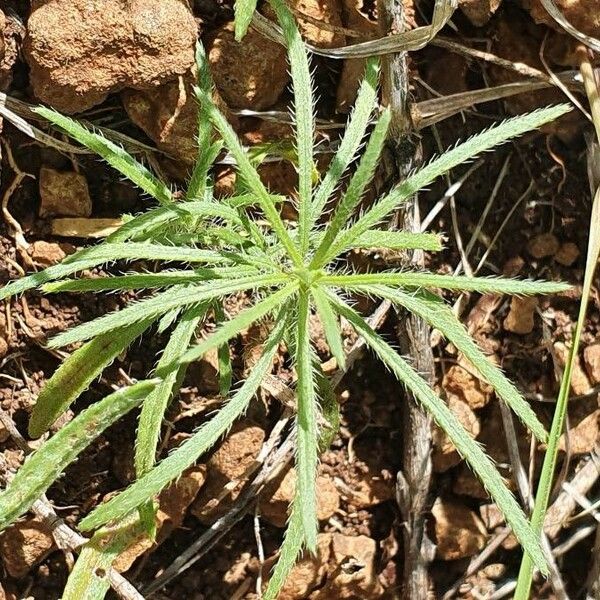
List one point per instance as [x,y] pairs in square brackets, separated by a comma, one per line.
[331,326]
[304,116]
[306,426]
[106,253]
[289,552]
[479,143]
[483,285]
[445,418]
[356,188]
[76,373]
[223,356]
[244,319]
[89,578]
[366,102]
[435,311]
[243,10]
[160,304]
[44,466]
[185,455]
[114,155]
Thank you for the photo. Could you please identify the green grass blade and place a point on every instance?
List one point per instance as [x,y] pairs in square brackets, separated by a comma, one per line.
[244,319]
[106,253]
[247,172]
[331,326]
[288,554]
[306,426]
[481,464]
[395,240]
[243,11]
[330,408]
[43,467]
[558,422]
[479,143]
[223,356]
[160,304]
[113,154]
[303,115]
[435,311]
[366,102]
[77,372]
[188,453]
[89,578]
[483,285]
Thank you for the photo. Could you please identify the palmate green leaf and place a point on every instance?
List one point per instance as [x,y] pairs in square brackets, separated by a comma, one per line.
[366,102]
[481,464]
[306,426]
[243,11]
[185,455]
[363,176]
[114,155]
[76,373]
[155,405]
[179,296]
[106,253]
[89,578]
[479,143]
[304,116]
[44,466]
[244,319]
[435,311]
[483,285]
[331,326]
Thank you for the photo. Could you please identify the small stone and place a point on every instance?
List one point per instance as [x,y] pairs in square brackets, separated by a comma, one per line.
[46,253]
[467,484]
[567,254]
[543,245]
[461,383]
[491,516]
[591,359]
[583,15]
[24,545]
[64,193]
[249,74]
[79,51]
[459,531]
[320,12]
[580,384]
[520,318]
[3,347]
[583,434]
[277,498]
[479,12]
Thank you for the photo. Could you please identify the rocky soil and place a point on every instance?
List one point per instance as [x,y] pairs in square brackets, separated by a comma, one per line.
[127,66]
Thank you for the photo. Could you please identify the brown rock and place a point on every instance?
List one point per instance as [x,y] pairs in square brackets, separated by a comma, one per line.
[169,116]
[459,531]
[491,516]
[64,194]
[46,253]
[466,483]
[248,74]
[580,384]
[567,254]
[352,574]
[3,347]
[479,12]
[520,318]
[584,429]
[278,496]
[79,51]
[591,359]
[582,14]
[11,33]
[543,245]
[320,14]
[444,453]
[228,463]
[24,545]
[467,387]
